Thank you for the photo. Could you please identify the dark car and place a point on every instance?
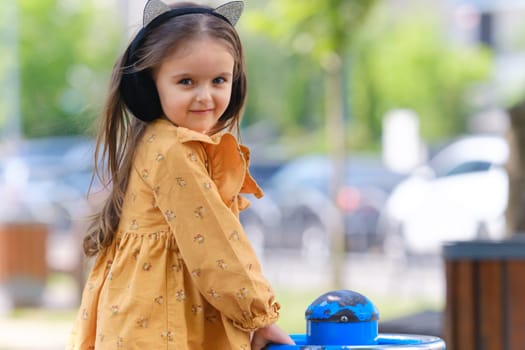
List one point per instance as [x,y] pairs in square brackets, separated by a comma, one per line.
[300,210]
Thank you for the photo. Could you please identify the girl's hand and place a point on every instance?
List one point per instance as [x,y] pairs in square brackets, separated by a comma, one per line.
[270,334]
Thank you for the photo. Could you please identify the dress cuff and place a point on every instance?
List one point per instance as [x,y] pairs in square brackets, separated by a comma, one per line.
[251,324]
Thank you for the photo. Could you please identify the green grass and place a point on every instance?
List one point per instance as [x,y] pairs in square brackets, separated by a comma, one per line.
[44,315]
[293,305]
[60,279]
[37,314]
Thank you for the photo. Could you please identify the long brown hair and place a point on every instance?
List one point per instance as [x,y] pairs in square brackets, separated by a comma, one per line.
[120,132]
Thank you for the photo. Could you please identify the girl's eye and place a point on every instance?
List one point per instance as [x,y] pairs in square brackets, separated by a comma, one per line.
[219,80]
[185,82]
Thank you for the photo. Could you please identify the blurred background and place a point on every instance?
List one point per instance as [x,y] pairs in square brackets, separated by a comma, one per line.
[380,129]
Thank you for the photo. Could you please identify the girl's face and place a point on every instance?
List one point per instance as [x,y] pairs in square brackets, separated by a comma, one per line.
[195,84]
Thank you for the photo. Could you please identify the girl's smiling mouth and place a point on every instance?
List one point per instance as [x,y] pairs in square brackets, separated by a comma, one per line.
[201,111]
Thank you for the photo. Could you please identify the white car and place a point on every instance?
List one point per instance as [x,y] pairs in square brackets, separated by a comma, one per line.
[461,194]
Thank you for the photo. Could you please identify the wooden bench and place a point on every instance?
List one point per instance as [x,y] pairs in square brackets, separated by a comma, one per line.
[485,295]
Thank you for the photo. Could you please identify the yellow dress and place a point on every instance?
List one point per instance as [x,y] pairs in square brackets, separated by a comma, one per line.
[181,273]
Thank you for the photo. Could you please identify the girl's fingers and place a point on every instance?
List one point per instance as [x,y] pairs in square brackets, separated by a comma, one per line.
[270,334]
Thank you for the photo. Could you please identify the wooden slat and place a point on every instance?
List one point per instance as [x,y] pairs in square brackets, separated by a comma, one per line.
[23,251]
[491,332]
[464,327]
[449,317]
[515,300]
[4,255]
[41,247]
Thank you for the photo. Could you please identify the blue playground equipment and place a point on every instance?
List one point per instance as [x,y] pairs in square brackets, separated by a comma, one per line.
[344,319]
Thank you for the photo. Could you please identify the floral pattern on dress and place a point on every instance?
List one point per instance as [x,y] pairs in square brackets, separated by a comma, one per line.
[179,234]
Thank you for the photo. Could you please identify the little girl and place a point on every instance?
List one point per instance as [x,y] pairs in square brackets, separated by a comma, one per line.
[173,267]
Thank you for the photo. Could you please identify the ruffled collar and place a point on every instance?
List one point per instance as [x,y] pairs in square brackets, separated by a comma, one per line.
[227,159]
[186,135]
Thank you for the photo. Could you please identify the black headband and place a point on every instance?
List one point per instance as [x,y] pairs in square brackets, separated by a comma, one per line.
[137,88]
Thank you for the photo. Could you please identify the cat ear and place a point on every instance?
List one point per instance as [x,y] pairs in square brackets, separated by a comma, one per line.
[231,10]
[153,9]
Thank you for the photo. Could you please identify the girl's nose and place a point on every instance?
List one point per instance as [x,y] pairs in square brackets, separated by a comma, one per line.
[203,93]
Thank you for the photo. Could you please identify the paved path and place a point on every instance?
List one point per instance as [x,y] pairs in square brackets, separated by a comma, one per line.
[35,332]
[33,335]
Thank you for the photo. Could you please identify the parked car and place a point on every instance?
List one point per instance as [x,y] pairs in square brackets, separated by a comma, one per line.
[263,215]
[461,194]
[35,180]
[299,211]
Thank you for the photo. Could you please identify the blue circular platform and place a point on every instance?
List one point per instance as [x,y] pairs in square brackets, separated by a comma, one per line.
[384,341]
[344,319]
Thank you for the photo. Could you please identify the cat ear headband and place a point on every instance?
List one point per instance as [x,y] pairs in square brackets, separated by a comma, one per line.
[231,10]
[137,88]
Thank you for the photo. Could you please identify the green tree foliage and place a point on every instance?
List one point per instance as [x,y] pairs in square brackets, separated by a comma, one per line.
[393,61]
[408,63]
[67,49]
[316,28]
[281,87]
[315,35]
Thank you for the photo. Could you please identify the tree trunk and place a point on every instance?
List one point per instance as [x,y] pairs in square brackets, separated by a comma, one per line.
[515,213]
[336,132]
